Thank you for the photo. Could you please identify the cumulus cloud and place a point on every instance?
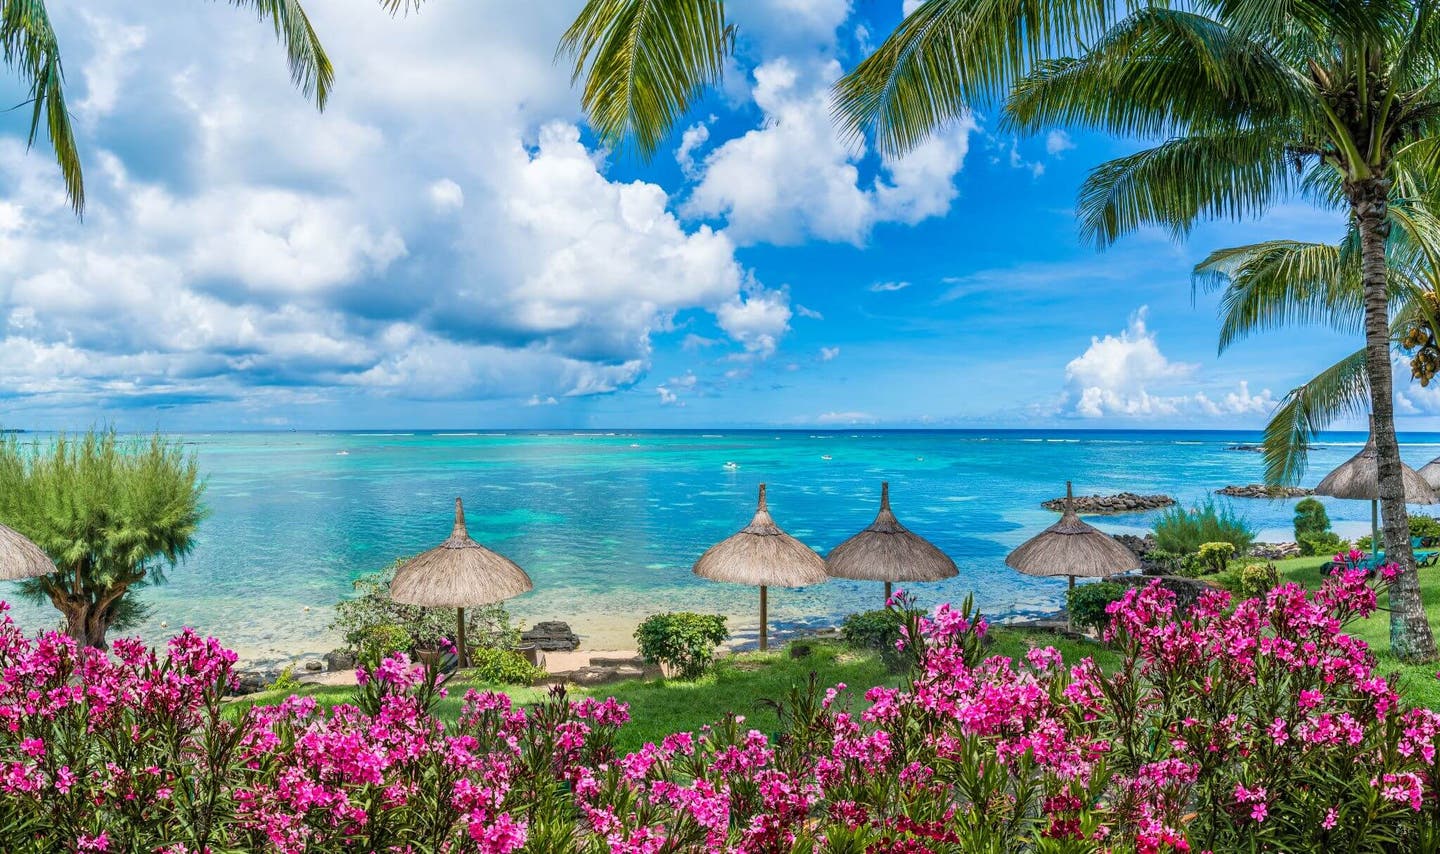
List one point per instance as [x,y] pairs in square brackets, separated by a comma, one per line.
[793,178]
[237,240]
[1058,142]
[1126,375]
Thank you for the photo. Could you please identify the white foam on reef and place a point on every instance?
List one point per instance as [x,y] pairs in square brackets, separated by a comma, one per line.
[457,434]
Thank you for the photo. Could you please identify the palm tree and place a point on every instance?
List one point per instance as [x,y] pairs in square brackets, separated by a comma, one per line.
[30,49]
[1249,95]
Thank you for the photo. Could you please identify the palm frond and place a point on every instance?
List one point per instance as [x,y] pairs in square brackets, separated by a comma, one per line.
[310,68]
[1280,283]
[1338,390]
[29,47]
[644,63]
[1234,175]
[396,7]
[949,54]
[1157,72]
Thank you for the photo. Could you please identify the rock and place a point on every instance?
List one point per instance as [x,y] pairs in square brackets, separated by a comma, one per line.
[313,666]
[1246,447]
[800,650]
[253,681]
[1124,502]
[605,661]
[339,659]
[552,635]
[1275,551]
[1260,490]
[1141,546]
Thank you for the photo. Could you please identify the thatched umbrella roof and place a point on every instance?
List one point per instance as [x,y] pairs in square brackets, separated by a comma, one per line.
[458,573]
[762,555]
[1359,478]
[20,558]
[1071,547]
[1431,473]
[888,551]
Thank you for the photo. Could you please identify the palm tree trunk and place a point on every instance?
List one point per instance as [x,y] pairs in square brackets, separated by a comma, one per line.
[1410,635]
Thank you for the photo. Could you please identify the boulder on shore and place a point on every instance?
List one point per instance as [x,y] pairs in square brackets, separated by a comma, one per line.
[339,659]
[1124,502]
[552,635]
[1275,551]
[1260,490]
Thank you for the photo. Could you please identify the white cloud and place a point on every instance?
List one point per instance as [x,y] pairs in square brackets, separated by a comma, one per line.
[692,139]
[852,417]
[1127,376]
[446,196]
[888,287]
[828,353]
[808,313]
[1057,142]
[537,400]
[793,178]
[757,319]
[235,239]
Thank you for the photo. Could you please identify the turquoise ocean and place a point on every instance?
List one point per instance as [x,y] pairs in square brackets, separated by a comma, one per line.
[609,523]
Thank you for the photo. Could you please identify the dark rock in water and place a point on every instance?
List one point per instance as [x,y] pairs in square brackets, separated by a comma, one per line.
[1124,502]
[552,635]
[1260,490]
[1244,447]
[340,659]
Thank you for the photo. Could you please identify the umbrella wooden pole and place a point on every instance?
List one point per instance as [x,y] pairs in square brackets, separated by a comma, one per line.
[887,594]
[764,616]
[460,635]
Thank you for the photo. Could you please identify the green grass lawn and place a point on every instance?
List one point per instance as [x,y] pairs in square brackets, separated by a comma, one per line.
[1417,681]
[739,684]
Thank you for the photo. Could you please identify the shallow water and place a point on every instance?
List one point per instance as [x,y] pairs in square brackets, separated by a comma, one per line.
[608,524]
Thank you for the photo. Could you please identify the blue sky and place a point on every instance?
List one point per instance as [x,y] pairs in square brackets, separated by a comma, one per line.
[447,246]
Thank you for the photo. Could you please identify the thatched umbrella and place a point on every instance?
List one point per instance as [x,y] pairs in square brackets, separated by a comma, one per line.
[888,551]
[459,573]
[1072,548]
[20,558]
[1358,478]
[762,555]
[1431,472]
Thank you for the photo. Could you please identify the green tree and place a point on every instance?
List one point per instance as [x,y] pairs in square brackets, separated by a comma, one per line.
[31,51]
[1310,518]
[1252,99]
[112,514]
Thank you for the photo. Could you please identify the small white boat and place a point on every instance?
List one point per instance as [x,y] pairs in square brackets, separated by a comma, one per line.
[826,457]
[342,453]
[732,466]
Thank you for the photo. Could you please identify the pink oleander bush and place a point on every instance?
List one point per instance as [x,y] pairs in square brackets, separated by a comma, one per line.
[1254,726]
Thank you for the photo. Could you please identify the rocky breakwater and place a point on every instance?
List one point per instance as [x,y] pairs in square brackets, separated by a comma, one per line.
[1260,490]
[1099,505]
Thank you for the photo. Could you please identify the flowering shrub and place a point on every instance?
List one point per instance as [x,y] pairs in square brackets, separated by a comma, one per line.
[1257,726]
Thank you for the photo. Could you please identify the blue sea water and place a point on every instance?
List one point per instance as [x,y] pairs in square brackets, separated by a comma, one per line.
[609,523]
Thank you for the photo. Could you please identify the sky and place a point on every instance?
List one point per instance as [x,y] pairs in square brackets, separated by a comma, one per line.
[447,245]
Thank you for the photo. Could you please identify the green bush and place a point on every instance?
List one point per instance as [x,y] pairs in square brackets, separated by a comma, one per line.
[1425,526]
[358,619]
[1167,563]
[1086,603]
[381,640]
[286,681]
[683,641]
[1183,531]
[1215,556]
[503,666]
[1310,519]
[880,631]
[1324,544]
